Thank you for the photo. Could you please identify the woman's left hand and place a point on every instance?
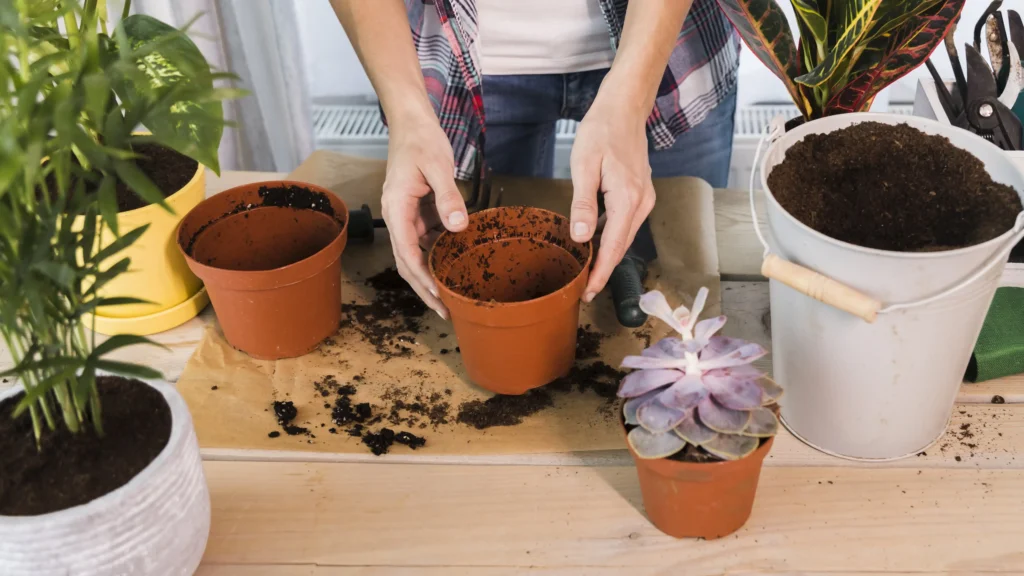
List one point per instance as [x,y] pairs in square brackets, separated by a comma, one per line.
[610,157]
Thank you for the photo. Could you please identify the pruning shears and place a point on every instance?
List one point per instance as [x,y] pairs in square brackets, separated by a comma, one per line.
[983,98]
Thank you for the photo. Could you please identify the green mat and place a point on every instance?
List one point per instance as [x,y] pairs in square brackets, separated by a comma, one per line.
[1000,348]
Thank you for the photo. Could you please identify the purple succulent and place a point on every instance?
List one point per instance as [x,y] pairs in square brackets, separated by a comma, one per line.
[698,389]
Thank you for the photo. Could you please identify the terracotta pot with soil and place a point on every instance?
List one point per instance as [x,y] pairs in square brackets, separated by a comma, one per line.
[906,223]
[687,498]
[699,421]
[270,255]
[158,273]
[133,501]
[512,282]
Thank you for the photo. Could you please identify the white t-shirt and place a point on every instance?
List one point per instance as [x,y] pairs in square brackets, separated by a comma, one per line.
[542,36]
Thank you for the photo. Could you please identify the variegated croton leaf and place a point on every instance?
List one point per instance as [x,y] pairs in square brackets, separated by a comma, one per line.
[848,23]
[765,30]
[890,56]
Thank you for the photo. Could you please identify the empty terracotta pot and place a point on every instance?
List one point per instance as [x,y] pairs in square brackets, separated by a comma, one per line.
[512,282]
[700,500]
[270,256]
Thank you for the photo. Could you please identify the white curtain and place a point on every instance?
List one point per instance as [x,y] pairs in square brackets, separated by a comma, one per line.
[258,40]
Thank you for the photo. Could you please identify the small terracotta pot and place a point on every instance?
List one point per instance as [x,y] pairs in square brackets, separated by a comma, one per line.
[273,272]
[708,500]
[512,282]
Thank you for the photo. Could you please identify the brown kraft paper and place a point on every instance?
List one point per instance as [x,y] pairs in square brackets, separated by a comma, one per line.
[230,394]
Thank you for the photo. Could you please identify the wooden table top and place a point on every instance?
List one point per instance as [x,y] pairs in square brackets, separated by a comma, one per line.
[960,509]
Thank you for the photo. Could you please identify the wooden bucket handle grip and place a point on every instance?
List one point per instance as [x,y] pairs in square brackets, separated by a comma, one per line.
[821,288]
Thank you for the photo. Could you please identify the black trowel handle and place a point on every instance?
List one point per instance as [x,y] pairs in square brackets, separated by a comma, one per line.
[627,285]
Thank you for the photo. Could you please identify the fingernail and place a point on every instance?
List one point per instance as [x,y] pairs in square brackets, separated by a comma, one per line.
[589,297]
[456,218]
[580,229]
[433,292]
[439,313]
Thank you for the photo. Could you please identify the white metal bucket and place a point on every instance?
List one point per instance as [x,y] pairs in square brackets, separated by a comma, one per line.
[885,389]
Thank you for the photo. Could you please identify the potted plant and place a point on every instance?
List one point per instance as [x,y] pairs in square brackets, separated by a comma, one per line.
[512,281]
[183,120]
[888,234]
[85,492]
[270,255]
[699,420]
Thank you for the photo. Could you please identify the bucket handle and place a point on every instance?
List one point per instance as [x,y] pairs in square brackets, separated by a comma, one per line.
[837,294]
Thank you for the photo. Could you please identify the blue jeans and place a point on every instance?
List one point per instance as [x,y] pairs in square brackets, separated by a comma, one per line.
[521,113]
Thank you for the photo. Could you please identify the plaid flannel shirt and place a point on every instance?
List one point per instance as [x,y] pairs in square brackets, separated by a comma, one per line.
[701,72]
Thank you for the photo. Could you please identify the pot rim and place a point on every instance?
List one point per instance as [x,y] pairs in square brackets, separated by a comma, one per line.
[181,421]
[808,128]
[556,295]
[760,454]
[245,279]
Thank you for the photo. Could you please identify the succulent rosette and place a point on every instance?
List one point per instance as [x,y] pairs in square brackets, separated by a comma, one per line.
[699,388]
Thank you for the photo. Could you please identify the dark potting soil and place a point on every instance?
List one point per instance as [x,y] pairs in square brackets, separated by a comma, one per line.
[286,412]
[588,343]
[356,418]
[892,188]
[167,169]
[392,319]
[504,410]
[296,197]
[72,469]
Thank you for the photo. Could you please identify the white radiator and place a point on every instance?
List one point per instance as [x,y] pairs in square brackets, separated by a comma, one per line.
[358,131]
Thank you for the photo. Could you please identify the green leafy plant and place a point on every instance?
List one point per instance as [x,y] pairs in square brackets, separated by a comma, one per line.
[73,97]
[849,50]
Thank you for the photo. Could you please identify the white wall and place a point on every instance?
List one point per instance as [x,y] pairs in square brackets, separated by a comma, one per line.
[334,71]
[331,64]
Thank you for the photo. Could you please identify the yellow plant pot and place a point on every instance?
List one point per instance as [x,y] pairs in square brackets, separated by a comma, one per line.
[158,272]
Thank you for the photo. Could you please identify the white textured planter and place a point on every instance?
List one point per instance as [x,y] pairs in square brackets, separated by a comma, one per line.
[881,390]
[156,524]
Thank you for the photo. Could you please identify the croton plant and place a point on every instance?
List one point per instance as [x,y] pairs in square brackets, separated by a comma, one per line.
[699,388]
[849,50]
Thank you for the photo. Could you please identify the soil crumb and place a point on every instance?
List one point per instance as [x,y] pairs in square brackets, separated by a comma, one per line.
[286,412]
[893,188]
[997,399]
[392,319]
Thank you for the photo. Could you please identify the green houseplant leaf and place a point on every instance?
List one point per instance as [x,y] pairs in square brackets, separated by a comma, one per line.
[765,30]
[173,65]
[71,97]
[891,56]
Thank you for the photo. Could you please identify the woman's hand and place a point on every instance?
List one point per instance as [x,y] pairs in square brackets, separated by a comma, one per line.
[419,194]
[610,157]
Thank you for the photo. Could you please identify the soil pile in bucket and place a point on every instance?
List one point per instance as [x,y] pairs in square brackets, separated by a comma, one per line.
[71,469]
[892,187]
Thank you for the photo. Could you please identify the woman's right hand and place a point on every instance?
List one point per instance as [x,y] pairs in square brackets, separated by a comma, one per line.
[419,194]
